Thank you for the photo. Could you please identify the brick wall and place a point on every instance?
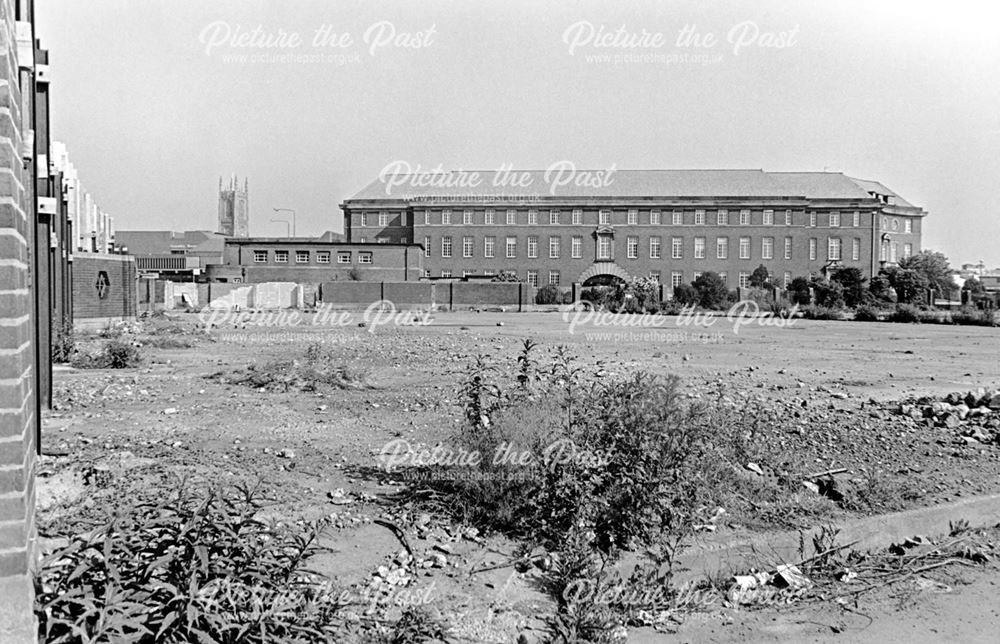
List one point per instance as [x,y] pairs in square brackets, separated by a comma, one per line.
[104,287]
[18,367]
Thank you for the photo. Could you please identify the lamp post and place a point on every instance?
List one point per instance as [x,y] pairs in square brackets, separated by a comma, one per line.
[293,217]
[288,226]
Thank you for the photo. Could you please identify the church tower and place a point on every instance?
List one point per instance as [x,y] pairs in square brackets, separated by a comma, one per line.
[234,208]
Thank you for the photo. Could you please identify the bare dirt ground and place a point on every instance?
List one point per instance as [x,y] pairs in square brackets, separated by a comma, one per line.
[835,386]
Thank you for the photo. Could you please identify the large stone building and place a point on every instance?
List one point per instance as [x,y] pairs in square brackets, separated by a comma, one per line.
[234,208]
[669,224]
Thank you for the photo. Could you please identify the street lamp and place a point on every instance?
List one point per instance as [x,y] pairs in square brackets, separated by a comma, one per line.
[288,226]
[293,216]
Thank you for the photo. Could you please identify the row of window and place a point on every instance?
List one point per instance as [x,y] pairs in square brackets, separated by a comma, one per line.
[652,217]
[834,247]
[676,277]
[304,256]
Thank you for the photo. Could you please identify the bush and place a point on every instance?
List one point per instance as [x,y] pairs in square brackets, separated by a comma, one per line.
[187,566]
[817,312]
[506,276]
[972,316]
[548,294]
[711,289]
[865,313]
[118,353]
[828,294]
[598,296]
[319,368]
[905,313]
[63,342]
[853,282]
[685,294]
[798,291]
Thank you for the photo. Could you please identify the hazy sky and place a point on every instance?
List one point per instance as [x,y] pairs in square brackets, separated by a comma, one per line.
[155,104]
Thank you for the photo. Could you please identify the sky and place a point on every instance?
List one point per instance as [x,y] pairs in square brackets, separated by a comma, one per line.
[310,100]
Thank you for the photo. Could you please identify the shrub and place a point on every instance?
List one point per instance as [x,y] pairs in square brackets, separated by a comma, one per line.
[865,313]
[905,313]
[853,282]
[63,342]
[798,291]
[685,294]
[319,368]
[548,294]
[817,312]
[355,274]
[828,294]
[711,289]
[760,277]
[117,353]
[972,316]
[597,295]
[506,276]
[187,566]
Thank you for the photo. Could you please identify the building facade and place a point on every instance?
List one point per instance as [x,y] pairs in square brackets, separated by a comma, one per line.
[672,225]
[234,208]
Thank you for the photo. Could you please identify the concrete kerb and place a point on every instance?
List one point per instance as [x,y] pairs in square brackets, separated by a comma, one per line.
[737,554]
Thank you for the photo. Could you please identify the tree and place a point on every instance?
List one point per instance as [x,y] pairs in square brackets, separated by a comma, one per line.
[798,290]
[685,294]
[910,284]
[760,278]
[548,294]
[506,276]
[712,291]
[828,293]
[880,289]
[853,281]
[974,286]
[934,268]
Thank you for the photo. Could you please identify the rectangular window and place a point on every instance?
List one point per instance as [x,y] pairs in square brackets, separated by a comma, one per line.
[446,246]
[281,256]
[365,257]
[555,244]
[554,217]
[677,248]
[654,247]
[489,247]
[786,279]
[554,278]
[344,257]
[788,217]
[260,256]
[722,276]
[604,218]
[301,257]
[893,252]
[722,248]
[603,247]
[907,226]
[744,218]
[812,220]
[699,217]
[427,272]
[788,247]
[632,247]
[445,273]
[445,217]
[654,217]
[576,247]
[467,217]
[699,248]
[633,217]
[467,244]
[488,217]
[833,248]
[466,273]
[655,275]
[404,240]
[907,250]
[744,248]
[767,248]
[427,217]
[383,219]
[857,218]
[855,249]
[427,246]
[678,218]
[382,240]
[768,218]
[511,245]
[676,278]
[532,217]
[532,246]
[363,240]
[363,220]
[322,257]
[744,280]
[533,278]
[511,217]
[402,218]
[722,218]
[696,275]
[577,217]
[834,220]
[812,249]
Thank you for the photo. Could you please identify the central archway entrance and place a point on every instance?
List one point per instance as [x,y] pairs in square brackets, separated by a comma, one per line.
[604,274]
[603,280]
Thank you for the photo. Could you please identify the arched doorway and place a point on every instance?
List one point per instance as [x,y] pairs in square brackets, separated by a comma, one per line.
[604,274]
[603,280]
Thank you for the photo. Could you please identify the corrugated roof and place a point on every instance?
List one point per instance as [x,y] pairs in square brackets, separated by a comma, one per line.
[621,184]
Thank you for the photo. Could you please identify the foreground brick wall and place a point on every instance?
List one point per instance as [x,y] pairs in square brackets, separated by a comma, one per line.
[116,300]
[18,367]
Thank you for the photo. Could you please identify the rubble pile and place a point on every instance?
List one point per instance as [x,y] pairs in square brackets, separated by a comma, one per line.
[974,414]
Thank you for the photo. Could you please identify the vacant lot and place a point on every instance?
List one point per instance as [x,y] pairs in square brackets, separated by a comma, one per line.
[833,385]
